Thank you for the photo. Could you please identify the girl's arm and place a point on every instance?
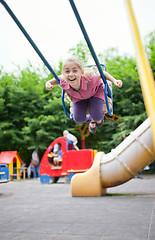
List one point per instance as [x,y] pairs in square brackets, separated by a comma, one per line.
[118,83]
[51,83]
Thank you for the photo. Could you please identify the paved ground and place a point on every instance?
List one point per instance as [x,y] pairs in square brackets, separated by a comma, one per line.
[30,210]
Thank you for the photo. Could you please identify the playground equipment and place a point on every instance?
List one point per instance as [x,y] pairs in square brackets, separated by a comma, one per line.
[13,161]
[4,173]
[73,161]
[120,165]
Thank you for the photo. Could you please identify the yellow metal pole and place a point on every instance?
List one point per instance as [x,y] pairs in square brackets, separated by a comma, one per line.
[11,170]
[18,164]
[144,69]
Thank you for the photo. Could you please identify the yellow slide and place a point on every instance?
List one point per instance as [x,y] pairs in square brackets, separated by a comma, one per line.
[120,165]
[136,151]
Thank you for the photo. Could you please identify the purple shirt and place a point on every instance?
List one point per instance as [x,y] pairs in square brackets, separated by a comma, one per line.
[91,86]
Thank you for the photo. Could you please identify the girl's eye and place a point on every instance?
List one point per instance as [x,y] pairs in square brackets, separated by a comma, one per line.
[67,72]
[75,71]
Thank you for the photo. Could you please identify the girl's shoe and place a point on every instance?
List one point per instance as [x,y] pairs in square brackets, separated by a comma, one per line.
[92,129]
[100,124]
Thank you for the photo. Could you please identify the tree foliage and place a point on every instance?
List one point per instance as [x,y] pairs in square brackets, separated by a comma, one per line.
[31,116]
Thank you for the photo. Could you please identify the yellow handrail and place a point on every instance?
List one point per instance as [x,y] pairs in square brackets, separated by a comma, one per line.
[144,69]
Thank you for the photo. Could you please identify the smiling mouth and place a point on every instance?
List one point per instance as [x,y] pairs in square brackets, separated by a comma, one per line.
[72,79]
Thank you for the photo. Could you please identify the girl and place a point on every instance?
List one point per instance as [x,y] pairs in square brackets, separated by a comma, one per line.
[84,89]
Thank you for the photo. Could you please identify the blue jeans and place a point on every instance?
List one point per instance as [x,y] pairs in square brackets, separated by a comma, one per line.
[35,171]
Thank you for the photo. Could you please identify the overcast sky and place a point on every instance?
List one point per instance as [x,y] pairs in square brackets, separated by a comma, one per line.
[54,28]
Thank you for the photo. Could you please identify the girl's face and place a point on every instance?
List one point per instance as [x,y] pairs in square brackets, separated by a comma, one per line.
[72,74]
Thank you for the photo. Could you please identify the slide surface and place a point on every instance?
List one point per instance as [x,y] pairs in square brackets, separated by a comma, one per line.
[129,158]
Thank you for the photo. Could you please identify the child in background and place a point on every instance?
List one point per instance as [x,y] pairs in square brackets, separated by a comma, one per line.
[84,89]
[71,138]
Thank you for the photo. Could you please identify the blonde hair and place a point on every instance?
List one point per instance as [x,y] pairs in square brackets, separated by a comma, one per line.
[72,60]
[88,71]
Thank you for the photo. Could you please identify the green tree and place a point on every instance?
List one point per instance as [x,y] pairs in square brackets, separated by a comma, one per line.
[150,48]
[30,116]
[81,51]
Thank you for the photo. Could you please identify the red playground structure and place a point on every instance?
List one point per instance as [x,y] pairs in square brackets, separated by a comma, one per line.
[72,161]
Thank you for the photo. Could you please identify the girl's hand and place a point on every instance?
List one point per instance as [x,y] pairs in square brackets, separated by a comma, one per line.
[118,83]
[49,86]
